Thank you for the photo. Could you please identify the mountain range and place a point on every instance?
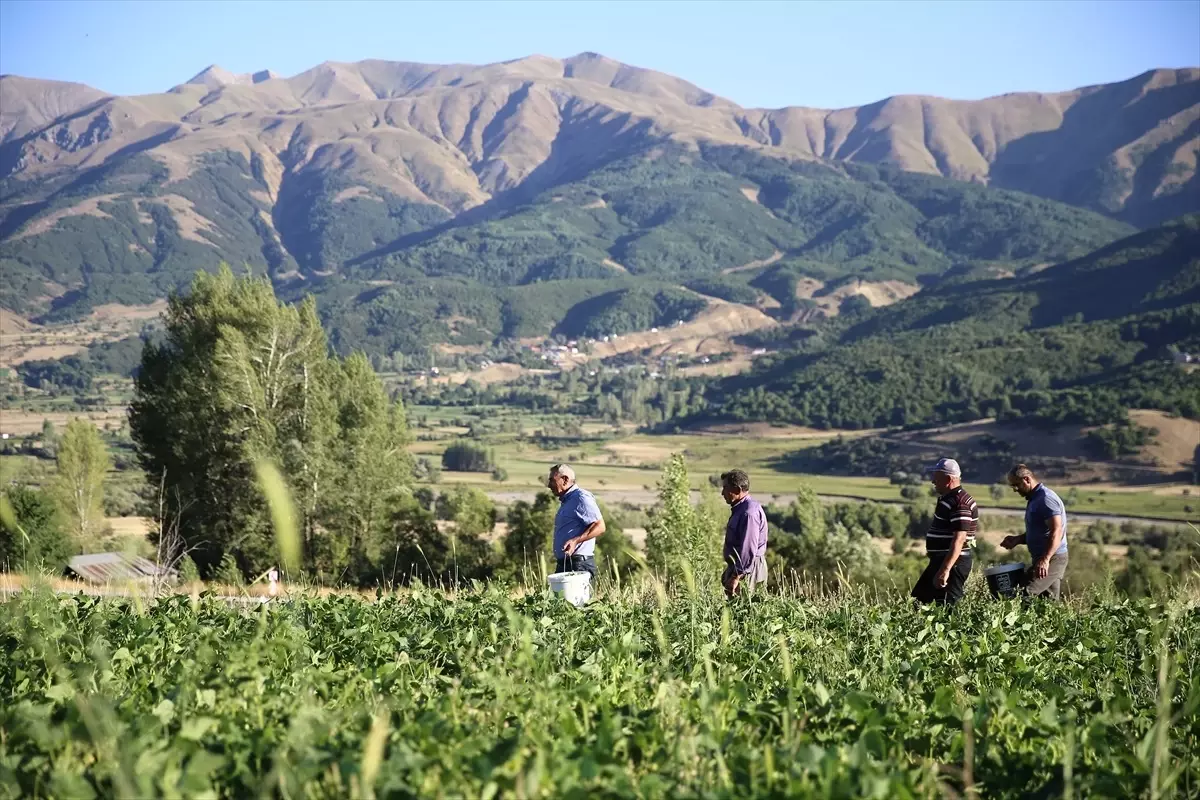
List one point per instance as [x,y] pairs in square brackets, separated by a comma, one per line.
[428,203]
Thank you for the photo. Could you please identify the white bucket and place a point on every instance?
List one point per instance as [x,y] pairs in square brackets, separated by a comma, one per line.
[574,587]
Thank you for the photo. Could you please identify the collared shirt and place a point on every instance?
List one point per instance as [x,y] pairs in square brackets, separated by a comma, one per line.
[1040,506]
[577,510]
[956,513]
[745,535]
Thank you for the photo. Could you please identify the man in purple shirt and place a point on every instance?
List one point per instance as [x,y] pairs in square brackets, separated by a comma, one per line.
[745,535]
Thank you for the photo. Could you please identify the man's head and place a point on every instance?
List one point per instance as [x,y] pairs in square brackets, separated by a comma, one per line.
[735,485]
[945,475]
[562,478]
[1022,480]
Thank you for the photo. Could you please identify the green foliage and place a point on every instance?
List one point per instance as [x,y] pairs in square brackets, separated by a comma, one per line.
[82,463]
[947,354]
[529,540]
[1121,439]
[419,550]
[239,379]
[828,545]
[228,573]
[77,373]
[188,571]
[466,456]
[1087,373]
[726,287]
[469,695]
[615,551]
[680,537]
[628,310]
[36,540]
[470,509]
[392,275]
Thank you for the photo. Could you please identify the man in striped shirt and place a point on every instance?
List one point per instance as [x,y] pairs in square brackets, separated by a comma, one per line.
[950,537]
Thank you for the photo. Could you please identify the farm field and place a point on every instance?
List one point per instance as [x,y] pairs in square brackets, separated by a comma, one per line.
[627,468]
[487,694]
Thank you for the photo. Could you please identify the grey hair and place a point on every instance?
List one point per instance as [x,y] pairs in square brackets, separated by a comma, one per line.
[1019,472]
[564,470]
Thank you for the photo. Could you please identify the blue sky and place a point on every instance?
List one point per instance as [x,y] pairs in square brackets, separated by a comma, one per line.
[822,54]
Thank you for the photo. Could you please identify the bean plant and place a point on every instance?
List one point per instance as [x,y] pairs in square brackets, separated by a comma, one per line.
[642,693]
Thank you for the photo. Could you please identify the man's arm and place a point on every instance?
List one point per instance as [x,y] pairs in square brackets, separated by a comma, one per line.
[754,531]
[961,520]
[737,540]
[943,576]
[1042,566]
[1012,540]
[589,533]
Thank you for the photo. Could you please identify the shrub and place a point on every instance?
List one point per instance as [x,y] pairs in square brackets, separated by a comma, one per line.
[467,457]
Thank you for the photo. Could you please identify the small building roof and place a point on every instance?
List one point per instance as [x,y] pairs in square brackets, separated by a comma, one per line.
[112,567]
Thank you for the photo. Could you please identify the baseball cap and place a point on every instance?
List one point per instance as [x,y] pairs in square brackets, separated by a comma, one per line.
[946,465]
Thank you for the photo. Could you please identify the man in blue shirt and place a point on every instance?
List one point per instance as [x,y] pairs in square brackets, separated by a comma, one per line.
[745,535]
[577,523]
[1045,533]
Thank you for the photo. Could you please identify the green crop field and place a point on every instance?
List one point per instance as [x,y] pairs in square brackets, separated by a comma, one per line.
[487,694]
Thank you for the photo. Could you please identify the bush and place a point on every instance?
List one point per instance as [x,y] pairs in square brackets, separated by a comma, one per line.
[33,539]
[188,573]
[228,572]
[419,550]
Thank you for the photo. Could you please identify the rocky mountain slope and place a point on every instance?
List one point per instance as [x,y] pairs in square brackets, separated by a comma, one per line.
[349,179]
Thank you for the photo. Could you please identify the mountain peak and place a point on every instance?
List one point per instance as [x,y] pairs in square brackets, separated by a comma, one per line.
[215,76]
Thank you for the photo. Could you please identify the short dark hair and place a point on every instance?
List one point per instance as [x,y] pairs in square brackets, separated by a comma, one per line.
[1018,472]
[736,479]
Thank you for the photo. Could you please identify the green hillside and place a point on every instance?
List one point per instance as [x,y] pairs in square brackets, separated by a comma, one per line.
[392,274]
[1080,341]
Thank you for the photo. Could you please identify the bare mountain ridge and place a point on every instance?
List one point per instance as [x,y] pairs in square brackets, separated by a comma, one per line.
[456,135]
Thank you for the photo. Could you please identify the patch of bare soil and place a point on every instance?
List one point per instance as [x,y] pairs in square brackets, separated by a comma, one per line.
[22,341]
[136,527]
[710,332]
[11,323]
[496,373]
[639,452]
[1174,447]
[765,430]
[87,208]
[762,262]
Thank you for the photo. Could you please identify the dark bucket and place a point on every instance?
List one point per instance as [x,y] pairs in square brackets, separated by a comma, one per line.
[1003,580]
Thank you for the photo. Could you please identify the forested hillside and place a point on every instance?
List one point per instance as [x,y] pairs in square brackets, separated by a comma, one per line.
[1081,341]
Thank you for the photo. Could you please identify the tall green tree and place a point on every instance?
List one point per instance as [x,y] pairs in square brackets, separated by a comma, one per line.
[681,534]
[82,463]
[369,471]
[239,378]
[530,535]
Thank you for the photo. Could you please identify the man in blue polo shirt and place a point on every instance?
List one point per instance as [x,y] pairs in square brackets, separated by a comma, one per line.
[1045,533]
[577,523]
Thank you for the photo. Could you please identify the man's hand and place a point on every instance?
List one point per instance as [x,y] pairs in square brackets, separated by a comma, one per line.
[943,577]
[734,582]
[569,547]
[1041,567]
[1009,542]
